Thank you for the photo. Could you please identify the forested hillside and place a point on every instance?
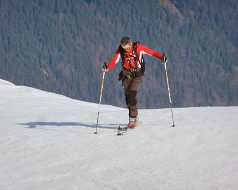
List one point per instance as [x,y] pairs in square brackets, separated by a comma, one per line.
[61,45]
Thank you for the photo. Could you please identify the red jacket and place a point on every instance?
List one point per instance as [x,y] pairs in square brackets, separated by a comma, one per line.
[128,60]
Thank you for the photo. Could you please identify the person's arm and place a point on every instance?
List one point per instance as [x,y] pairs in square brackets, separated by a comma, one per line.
[145,50]
[114,60]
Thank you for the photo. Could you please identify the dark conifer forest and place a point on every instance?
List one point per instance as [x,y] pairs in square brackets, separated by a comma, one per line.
[61,45]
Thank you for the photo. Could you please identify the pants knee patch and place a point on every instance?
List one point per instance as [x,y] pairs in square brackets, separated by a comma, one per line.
[131,97]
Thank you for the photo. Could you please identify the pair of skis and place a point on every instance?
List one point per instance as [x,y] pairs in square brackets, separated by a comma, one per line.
[122,130]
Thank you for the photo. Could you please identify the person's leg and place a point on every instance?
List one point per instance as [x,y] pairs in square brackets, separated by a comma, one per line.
[131,102]
[131,88]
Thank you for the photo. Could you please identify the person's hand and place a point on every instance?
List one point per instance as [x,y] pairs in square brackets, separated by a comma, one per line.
[164,58]
[105,68]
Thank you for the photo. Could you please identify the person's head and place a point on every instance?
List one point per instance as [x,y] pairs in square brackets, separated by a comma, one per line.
[126,43]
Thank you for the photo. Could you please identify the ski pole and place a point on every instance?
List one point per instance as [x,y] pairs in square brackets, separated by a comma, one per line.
[100,99]
[169,93]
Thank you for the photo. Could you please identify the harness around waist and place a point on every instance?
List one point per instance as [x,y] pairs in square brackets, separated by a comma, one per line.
[130,74]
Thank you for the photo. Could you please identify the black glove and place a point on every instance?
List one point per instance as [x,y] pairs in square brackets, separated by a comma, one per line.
[105,67]
[164,58]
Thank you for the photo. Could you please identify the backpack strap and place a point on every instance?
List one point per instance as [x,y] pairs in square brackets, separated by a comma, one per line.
[137,60]
[136,57]
[122,51]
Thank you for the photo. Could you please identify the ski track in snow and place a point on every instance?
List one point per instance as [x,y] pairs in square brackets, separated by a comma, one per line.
[47,142]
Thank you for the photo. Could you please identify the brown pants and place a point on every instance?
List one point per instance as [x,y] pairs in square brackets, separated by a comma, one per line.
[131,87]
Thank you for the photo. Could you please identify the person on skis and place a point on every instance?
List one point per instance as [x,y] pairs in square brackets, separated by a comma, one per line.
[133,67]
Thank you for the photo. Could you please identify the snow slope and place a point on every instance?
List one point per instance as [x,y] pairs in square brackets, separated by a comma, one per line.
[47,143]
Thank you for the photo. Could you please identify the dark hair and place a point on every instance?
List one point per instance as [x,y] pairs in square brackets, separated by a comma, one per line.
[125,40]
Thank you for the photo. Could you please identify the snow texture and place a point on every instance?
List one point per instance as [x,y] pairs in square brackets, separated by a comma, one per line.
[47,142]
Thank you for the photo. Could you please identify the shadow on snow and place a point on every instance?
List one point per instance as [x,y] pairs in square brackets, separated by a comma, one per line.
[70,124]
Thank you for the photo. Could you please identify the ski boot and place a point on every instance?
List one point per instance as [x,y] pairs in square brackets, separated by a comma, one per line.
[132,123]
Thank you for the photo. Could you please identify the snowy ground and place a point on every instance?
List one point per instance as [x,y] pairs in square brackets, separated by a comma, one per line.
[47,143]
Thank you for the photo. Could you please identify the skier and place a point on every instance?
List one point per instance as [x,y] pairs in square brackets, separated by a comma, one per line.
[133,67]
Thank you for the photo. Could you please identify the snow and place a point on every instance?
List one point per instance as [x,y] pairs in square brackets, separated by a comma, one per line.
[47,142]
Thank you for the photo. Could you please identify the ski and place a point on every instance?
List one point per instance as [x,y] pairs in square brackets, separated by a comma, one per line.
[121,130]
